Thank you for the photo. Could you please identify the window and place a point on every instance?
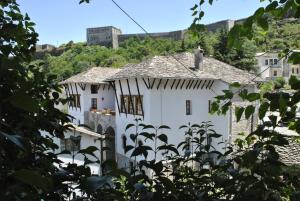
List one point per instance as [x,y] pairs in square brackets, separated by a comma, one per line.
[271,61]
[75,100]
[188,107]
[209,105]
[275,61]
[297,70]
[94,103]
[275,73]
[138,105]
[94,89]
[187,147]
[266,62]
[131,104]
[124,141]
[293,70]
[70,144]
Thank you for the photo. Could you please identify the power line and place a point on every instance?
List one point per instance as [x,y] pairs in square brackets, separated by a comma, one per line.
[148,34]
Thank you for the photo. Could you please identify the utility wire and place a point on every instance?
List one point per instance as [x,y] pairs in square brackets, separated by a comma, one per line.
[148,34]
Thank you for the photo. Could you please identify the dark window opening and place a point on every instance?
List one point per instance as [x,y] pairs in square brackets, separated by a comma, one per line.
[131,104]
[188,107]
[70,144]
[94,103]
[94,89]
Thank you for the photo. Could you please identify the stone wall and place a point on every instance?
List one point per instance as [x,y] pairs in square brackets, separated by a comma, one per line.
[244,125]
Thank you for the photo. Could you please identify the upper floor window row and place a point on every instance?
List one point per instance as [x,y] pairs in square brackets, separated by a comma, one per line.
[74,100]
[271,62]
[131,104]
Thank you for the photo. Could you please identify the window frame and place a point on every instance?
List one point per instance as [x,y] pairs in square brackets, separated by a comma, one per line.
[126,104]
[266,62]
[92,103]
[94,89]
[188,107]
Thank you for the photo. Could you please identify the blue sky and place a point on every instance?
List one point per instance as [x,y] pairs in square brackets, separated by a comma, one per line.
[59,21]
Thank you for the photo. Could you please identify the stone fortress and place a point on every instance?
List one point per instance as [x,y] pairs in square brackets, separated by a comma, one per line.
[111,36]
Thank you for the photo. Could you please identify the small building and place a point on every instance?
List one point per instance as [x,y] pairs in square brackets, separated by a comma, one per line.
[105,36]
[271,66]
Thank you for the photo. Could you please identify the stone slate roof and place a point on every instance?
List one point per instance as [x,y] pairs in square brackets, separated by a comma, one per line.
[94,75]
[290,154]
[169,67]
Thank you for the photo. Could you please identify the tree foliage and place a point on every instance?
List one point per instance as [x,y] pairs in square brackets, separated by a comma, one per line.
[29,170]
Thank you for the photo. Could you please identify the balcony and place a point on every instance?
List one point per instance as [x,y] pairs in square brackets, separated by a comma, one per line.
[105,118]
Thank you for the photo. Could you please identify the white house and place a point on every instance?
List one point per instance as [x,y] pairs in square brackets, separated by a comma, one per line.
[176,90]
[92,102]
[270,66]
[164,90]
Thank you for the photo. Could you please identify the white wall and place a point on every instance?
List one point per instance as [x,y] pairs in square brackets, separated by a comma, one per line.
[166,106]
[86,141]
[105,99]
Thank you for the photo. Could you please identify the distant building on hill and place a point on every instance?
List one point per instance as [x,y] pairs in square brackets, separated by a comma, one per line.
[110,36]
[105,36]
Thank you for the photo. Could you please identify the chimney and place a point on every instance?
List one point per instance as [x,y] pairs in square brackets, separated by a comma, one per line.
[198,58]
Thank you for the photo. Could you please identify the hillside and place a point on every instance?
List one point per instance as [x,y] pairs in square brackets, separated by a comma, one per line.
[73,58]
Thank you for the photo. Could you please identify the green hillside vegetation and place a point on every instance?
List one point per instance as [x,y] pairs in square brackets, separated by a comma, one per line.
[77,57]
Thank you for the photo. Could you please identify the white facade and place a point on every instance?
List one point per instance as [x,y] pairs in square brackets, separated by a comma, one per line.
[104,98]
[270,66]
[174,100]
[166,106]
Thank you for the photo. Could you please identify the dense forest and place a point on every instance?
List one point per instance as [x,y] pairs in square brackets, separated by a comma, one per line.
[76,57]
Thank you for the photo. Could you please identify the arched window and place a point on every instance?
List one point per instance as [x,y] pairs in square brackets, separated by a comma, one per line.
[110,131]
[124,141]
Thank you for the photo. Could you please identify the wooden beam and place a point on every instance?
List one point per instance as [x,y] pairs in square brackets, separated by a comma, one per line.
[72,93]
[153,83]
[117,99]
[77,97]
[173,84]
[195,84]
[166,83]
[67,93]
[158,84]
[178,84]
[188,84]
[149,82]
[208,84]
[203,84]
[122,96]
[138,89]
[182,84]
[130,98]
[191,84]
[199,84]
[145,83]
[211,84]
